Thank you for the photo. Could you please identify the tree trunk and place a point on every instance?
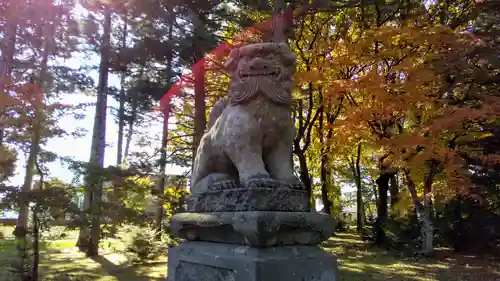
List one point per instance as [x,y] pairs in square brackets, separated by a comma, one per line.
[36,240]
[325,186]
[394,191]
[324,162]
[98,145]
[162,182]
[305,177]
[21,229]
[121,123]
[121,128]
[360,208]
[31,164]
[382,214]
[427,227]
[84,234]
[163,157]
[130,130]
[423,213]
[312,201]
[36,229]
[374,189]
[121,109]
[200,118]
[300,152]
[35,143]
[133,114]
[119,151]
[8,50]
[335,192]
[426,216]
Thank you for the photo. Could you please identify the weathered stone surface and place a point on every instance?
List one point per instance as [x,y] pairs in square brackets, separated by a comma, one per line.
[218,182]
[249,199]
[257,229]
[251,133]
[224,195]
[205,261]
[187,271]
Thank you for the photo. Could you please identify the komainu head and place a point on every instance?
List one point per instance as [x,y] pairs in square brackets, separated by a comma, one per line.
[261,68]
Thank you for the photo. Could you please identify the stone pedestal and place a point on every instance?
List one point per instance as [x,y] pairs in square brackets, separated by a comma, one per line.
[255,228]
[208,261]
[252,246]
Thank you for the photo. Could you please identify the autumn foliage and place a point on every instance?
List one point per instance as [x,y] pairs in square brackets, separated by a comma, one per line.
[393,80]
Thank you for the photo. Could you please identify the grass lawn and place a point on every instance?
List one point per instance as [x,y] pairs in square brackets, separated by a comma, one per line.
[358,261]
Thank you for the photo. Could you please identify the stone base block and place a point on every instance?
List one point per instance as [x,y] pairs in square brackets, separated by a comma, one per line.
[249,199]
[206,261]
[257,229]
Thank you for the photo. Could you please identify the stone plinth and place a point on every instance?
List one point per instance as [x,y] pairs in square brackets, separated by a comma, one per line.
[206,261]
[252,246]
[261,196]
[257,229]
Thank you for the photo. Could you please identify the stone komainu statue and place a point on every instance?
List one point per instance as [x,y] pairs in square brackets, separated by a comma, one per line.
[244,195]
[250,136]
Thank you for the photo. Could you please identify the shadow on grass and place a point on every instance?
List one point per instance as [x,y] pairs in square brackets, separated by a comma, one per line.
[349,274]
[359,261]
[126,273]
[71,274]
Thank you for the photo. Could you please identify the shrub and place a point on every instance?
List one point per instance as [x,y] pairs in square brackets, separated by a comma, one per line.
[143,246]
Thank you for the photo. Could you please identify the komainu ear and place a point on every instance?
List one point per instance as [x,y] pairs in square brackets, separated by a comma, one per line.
[232,60]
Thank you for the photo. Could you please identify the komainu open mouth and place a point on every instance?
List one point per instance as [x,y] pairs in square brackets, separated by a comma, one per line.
[263,72]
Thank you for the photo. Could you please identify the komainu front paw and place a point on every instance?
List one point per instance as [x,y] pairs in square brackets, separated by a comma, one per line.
[262,182]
